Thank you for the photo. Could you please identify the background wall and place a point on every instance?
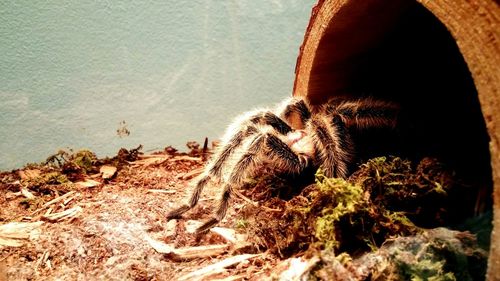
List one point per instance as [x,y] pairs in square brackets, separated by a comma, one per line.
[71,72]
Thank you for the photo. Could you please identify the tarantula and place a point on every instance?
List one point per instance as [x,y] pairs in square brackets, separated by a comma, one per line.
[291,137]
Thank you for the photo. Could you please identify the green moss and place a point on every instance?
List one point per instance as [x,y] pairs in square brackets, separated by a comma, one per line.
[440,254]
[382,200]
[346,199]
[352,219]
[53,177]
[436,254]
[424,268]
[57,159]
[241,224]
[344,258]
[84,159]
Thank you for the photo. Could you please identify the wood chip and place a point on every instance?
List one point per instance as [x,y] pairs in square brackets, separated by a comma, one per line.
[153,160]
[26,193]
[107,171]
[185,158]
[191,174]
[170,191]
[187,253]
[11,195]
[227,234]
[160,247]
[14,234]
[147,156]
[239,241]
[298,268]
[88,183]
[48,264]
[192,225]
[67,214]
[217,267]
[170,228]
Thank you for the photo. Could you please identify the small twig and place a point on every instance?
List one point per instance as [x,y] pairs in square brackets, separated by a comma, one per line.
[42,259]
[69,213]
[48,264]
[246,199]
[145,156]
[69,200]
[205,150]
[149,161]
[49,210]
[191,174]
[53,201]
[187,253]
[161,191]
[185,158]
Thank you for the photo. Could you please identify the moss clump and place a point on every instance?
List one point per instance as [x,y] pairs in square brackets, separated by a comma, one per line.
[348,200]
[75,165]
[84,159]
[48,181]
[385,198]
[425,268]
[349,219]
[437,255]
[54,177]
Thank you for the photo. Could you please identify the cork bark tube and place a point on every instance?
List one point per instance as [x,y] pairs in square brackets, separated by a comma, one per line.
[339,43]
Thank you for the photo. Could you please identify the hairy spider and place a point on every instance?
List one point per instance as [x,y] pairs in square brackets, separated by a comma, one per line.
[291,137]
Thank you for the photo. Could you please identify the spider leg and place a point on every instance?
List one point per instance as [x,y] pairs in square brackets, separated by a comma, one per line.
[271,119]
[200,184]
[366,113]
[243,164]
[333,141]
[283,156]
[214,169]
[273,148]
[296,108]
[260,118]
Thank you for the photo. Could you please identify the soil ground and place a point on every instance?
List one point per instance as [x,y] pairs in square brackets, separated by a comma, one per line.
[77,217]
[107,239]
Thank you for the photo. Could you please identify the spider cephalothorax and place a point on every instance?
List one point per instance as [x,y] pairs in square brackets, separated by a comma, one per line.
[291,137]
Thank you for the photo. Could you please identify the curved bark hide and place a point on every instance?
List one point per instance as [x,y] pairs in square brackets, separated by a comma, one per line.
[399,50]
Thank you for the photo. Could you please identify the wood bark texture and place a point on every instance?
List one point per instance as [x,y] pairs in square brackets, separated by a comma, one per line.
[329,52]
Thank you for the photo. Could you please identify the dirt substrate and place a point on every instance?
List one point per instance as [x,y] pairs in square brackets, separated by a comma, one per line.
[77,217]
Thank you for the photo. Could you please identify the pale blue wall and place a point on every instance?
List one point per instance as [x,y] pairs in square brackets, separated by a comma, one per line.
[71,71]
